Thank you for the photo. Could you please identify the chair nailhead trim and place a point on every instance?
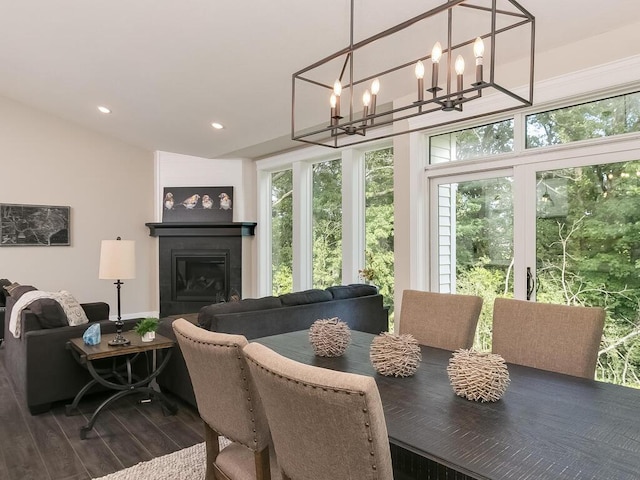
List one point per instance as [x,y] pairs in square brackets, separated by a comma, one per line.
[365,410]
[239,357]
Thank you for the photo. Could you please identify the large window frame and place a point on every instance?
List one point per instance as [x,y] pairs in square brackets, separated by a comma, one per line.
[353,212]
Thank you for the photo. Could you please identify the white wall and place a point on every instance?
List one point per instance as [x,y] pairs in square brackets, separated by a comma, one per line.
[108,185]
[176,170]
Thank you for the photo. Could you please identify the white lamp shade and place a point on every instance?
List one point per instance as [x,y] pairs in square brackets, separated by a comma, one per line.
[117,260]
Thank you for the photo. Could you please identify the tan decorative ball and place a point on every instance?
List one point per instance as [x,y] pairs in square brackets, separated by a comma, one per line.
[395,355]
[478,375]
[329,337]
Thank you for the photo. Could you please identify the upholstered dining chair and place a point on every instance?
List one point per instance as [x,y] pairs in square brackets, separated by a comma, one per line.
[326,425]
[441,320]
[228,404]
[558,338]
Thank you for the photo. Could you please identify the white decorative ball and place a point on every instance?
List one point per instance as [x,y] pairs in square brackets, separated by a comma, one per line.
[329,337]
[395,355]
[478,375]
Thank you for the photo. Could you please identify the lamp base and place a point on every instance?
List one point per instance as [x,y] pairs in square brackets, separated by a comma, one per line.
[119,341]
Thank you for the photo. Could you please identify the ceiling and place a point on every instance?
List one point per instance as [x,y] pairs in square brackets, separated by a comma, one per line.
[168,68]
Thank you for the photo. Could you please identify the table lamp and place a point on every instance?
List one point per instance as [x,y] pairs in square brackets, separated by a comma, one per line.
[118,262]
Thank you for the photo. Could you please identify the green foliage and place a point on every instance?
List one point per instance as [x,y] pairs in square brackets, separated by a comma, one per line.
[282,231]
[611,116]
[327,224]
[590,257]
[488,283]
[146,325]
[588,239]
[379,213]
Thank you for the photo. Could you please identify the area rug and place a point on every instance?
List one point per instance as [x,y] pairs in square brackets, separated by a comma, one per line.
[186,464]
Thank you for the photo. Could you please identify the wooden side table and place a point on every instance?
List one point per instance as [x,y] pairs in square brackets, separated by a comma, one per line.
[120,375]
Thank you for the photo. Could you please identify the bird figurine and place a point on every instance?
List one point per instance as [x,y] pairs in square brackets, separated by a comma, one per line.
[225,201]
[207,202]
[168,201]
[191,202]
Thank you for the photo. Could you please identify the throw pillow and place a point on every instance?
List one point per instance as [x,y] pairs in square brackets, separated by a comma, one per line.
[49,313]
[72,309]
[16,290]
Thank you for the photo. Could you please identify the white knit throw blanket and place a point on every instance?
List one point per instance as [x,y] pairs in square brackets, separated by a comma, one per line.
[23,302]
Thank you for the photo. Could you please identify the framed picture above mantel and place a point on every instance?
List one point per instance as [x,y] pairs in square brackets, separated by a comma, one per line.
[197,204]
[34,225]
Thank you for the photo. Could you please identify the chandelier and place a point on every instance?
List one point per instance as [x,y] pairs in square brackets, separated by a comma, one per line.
[414,75]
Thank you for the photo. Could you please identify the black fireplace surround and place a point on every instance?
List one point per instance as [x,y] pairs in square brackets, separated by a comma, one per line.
[199,263]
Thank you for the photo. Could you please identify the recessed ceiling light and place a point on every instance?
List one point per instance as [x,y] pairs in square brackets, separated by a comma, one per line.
[103,109]
[217,126]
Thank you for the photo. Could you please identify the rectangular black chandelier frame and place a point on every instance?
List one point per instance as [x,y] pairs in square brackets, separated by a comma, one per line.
[341,131]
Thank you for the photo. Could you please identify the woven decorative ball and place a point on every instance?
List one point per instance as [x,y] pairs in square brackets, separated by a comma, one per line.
[478,375]
[395,355]
[329,337]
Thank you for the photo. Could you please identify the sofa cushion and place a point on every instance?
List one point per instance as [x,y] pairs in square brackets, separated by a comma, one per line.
[305,297]
[207,313]
[340,292]
[3,293]
[49,313]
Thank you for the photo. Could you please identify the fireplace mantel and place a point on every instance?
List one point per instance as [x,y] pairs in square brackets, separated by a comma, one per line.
[210,229]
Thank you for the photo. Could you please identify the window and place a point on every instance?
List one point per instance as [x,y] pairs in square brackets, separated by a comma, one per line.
[555,226]
[472,142]
[282,232]
[327,224]
[378,165]
[602,118]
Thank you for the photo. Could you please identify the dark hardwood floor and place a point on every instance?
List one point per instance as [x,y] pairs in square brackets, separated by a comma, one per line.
[48,446]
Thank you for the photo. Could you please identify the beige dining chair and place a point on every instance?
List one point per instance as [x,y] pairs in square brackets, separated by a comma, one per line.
[558,338]
[441,320]
[326,425]
[228,404]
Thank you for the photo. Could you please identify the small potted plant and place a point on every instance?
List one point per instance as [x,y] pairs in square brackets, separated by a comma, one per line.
[146,328]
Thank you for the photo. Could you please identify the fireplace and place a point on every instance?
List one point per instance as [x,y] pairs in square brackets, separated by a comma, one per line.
[200,275]
[199,264]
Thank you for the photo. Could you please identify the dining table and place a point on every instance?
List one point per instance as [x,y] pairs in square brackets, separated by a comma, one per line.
[545,426]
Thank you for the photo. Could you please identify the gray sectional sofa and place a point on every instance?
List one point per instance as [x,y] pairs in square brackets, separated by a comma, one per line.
[360,306]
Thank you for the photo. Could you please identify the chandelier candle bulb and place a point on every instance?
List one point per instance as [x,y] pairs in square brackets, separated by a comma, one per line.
[375,88]
[337,90]
[436,55]
[420,77]
[459,66]
[478,51]
[333,103]
[366,100]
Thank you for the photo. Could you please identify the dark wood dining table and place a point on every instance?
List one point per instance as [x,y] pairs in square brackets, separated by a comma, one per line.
[546,426]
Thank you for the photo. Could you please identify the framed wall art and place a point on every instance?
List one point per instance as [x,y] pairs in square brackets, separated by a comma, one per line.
[197,204]
[34,225]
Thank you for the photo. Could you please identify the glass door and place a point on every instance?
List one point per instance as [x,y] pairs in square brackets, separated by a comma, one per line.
[473,250]
[588,253]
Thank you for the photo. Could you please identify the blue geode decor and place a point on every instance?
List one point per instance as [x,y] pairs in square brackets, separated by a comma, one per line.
[91,335]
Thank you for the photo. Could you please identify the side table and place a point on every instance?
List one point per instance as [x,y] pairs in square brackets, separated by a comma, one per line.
[126,383]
